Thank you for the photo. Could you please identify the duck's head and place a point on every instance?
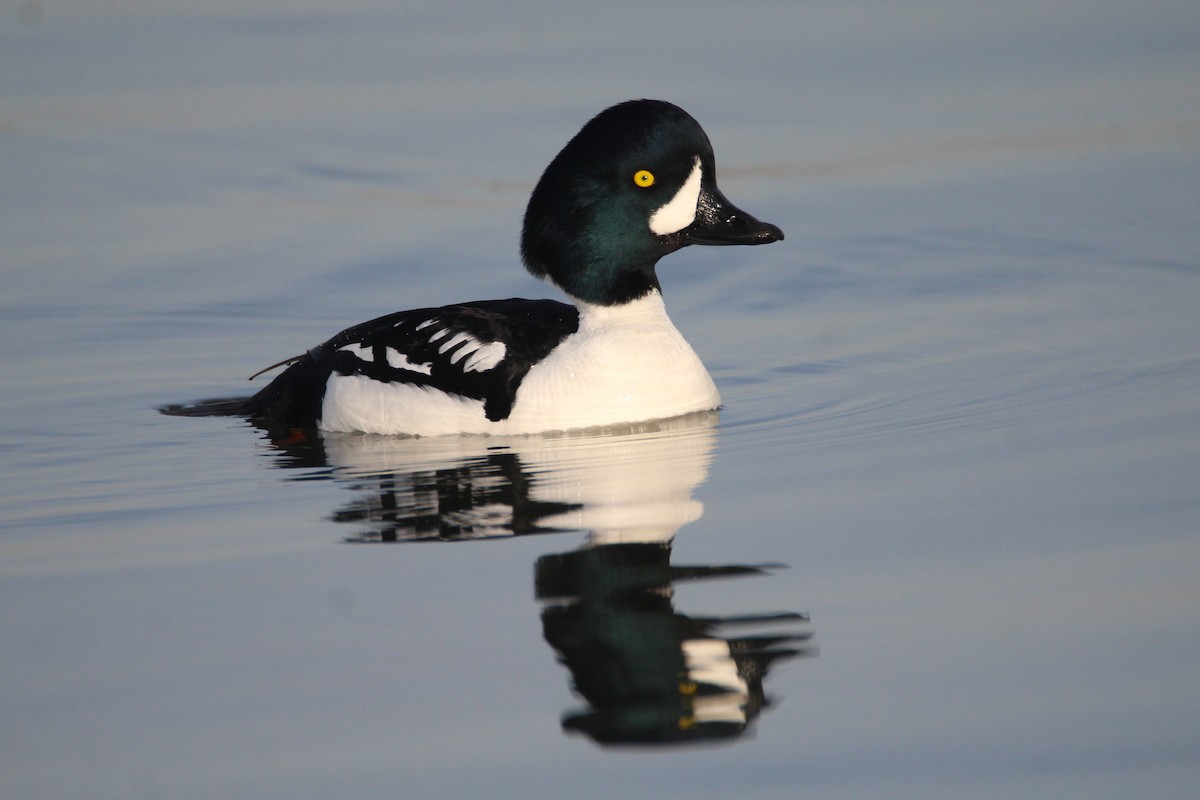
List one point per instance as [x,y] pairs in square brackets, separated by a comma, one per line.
[638,182]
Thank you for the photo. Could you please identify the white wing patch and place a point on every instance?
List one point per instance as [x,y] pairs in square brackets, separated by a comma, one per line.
[455,341]
[400,361]
[476,356]
[485,357]
[680,210]
[394,357]
[482,357]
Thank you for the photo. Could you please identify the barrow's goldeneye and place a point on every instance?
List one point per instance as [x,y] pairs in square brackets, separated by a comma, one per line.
[636,183]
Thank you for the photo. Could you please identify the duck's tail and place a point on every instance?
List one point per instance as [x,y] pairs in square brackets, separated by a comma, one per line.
[292,400]
[218,407]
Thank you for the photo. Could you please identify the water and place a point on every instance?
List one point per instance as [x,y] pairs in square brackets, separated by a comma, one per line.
[961,408]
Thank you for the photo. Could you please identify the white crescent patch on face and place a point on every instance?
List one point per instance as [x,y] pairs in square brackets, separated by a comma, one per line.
[680,210]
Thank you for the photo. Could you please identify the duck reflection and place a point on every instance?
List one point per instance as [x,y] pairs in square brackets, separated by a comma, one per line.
[648,673]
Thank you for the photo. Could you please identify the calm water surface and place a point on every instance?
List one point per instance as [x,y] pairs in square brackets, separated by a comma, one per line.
[940,542]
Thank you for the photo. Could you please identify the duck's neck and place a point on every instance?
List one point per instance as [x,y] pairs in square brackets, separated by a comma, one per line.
[647,309]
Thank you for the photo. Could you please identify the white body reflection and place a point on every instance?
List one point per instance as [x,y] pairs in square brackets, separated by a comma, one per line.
[629,483]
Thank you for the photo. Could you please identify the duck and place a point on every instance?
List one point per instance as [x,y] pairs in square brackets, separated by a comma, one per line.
[636,183]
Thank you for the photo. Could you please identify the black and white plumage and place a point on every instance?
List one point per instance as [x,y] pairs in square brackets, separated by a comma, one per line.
[636,183]
[478,351]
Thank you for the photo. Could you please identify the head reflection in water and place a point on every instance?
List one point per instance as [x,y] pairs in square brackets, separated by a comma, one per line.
[649,673]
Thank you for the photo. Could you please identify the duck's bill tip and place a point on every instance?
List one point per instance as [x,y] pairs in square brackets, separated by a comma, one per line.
[769,233]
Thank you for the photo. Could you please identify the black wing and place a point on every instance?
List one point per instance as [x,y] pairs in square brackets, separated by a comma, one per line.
[481,350]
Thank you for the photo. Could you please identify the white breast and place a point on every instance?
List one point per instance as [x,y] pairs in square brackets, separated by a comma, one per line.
[625,363]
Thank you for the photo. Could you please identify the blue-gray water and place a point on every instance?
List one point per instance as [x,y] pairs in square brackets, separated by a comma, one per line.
[962,406]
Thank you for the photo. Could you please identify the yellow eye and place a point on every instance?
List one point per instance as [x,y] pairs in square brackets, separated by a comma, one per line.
[644,178]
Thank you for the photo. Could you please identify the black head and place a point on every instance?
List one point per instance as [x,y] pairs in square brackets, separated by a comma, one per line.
[638,182]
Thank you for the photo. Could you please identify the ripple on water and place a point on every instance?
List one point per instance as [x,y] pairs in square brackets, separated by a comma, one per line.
[1028,397]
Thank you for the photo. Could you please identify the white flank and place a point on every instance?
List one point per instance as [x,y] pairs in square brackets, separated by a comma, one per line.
[358,403]
[358,350]
[680,210]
